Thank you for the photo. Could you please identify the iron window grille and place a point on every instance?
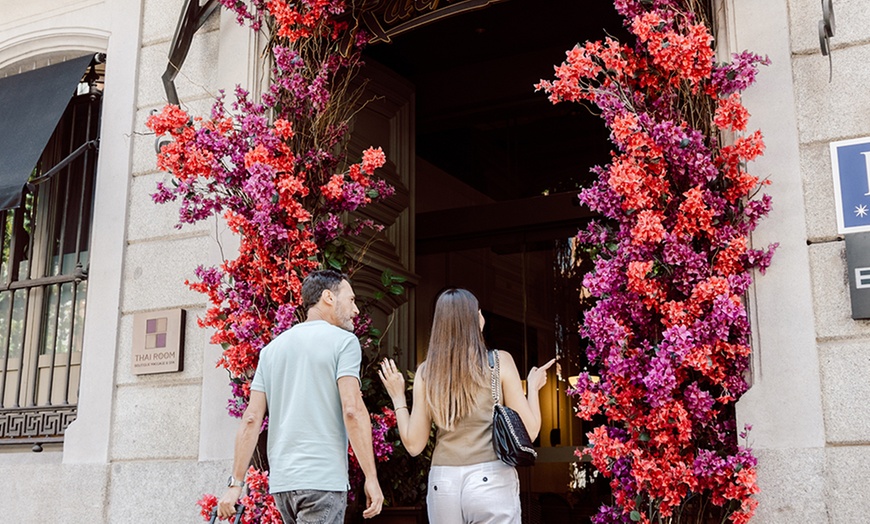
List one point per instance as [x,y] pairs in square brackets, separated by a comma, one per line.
[43,280]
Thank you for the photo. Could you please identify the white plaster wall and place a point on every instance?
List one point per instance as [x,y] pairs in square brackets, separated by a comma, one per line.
[77,492]
[783,405]
[174,426]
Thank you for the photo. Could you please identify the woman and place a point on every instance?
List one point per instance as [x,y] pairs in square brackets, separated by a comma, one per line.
[452,388]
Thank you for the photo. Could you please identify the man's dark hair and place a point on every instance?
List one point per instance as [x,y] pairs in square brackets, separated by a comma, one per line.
[316,283]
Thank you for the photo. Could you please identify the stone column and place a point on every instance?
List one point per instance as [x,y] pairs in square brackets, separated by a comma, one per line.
[784,404]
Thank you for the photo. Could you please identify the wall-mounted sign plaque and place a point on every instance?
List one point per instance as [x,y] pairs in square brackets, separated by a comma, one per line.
[850,163]
[858,264]
[158,341]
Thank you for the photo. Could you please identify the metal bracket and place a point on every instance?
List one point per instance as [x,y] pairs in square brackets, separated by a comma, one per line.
[193,16]
[827,27]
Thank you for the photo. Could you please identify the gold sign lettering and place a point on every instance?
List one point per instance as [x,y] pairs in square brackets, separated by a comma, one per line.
[385,19]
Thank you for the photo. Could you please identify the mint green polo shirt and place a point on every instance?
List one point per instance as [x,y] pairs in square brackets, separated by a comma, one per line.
[298,372]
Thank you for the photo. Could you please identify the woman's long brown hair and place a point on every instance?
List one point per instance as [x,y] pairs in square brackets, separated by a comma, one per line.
[456,362]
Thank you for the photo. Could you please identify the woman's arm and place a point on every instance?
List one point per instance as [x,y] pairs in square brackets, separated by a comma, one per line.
[529,409]
[414,427]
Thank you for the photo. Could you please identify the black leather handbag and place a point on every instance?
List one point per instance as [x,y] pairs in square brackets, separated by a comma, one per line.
[510,439]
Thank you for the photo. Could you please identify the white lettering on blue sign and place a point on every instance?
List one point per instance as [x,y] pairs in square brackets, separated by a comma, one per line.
[867,167]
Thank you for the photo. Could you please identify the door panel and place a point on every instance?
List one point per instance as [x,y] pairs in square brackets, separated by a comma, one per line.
[387,121]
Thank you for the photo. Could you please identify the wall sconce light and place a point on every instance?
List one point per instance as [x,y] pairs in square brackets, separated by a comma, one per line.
[573,379]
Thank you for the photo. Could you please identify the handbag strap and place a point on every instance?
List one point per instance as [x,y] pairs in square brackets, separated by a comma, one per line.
[492,355]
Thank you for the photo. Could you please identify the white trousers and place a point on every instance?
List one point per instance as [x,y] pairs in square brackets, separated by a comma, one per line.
[486,493]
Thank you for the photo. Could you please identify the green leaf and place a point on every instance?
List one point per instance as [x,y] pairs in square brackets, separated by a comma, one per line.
[372,193]
[635,516]
[398,279]
[396,289]
[375,332]
[379,295]
[644,437]
[386,277]
[334,263]
[275,198]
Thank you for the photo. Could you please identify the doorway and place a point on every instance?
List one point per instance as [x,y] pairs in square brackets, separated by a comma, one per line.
[496,172]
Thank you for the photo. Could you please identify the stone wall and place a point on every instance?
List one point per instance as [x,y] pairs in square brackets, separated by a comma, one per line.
[811,388]
[828,111]
[171,439]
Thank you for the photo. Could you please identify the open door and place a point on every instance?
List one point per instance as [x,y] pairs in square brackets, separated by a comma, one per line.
[387,121]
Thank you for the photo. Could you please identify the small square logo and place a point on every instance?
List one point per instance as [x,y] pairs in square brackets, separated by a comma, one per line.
[155,332]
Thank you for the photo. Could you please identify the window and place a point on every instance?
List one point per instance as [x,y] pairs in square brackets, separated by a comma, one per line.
[43,279]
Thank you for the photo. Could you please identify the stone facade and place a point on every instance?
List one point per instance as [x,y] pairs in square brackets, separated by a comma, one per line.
[145,447]
[807,404]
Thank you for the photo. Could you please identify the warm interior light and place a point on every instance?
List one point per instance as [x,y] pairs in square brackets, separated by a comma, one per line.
[572,380]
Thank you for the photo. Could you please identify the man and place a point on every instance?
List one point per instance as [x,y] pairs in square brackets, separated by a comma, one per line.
[308,377]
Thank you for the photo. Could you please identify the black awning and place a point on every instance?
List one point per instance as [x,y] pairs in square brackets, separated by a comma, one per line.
[31,105]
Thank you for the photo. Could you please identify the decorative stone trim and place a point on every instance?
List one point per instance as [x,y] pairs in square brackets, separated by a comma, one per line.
[35,425]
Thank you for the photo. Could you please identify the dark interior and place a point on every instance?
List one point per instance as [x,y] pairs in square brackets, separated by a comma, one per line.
[478,115]
[500,217]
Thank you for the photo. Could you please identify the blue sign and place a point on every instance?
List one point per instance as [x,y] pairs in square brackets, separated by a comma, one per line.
[850,163]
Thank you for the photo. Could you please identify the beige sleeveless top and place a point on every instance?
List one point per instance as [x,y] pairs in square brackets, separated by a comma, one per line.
[470,442]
